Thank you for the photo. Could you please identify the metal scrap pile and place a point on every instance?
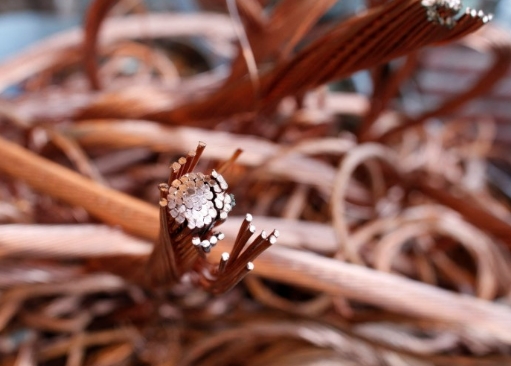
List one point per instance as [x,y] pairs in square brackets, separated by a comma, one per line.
[119,248]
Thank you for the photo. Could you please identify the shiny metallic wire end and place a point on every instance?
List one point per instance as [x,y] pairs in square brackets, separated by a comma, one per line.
[174,172]
[223,261]
[442,12]
[206,246]
[189,158]
[198,153]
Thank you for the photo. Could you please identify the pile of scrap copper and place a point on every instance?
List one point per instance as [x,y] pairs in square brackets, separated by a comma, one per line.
[209,189]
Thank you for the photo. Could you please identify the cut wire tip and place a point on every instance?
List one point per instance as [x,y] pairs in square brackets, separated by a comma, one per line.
[191,206]
[445,12]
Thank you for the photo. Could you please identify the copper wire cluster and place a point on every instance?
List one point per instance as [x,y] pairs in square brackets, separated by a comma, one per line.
[199,199]
[444,12]
[192,205]
[235,265]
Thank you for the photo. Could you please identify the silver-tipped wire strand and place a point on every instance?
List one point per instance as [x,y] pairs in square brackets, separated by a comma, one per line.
[198,152]
[253,251]
[231,279]
[189,158]
[223,261]
[174,172]
[239,242]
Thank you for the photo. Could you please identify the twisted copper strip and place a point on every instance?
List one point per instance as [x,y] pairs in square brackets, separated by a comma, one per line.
[379,35]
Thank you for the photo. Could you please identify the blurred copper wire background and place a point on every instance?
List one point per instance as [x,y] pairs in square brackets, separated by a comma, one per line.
[375,137]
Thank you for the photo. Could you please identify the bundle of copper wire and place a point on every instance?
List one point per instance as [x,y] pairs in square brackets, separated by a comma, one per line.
[192,205]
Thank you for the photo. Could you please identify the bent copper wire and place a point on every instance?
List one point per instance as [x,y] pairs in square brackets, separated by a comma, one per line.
[191,206]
